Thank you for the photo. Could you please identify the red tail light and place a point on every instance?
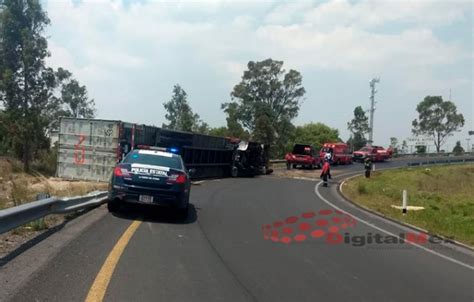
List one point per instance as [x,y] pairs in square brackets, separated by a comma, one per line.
[121,172]
[181,179]
[177,179]
[118,172]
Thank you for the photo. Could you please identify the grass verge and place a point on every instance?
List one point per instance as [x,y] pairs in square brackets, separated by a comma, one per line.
[446,193]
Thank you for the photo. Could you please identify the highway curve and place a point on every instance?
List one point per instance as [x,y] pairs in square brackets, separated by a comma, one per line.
[254,239]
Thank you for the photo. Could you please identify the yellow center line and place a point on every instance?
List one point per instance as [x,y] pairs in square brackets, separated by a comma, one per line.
[101,282]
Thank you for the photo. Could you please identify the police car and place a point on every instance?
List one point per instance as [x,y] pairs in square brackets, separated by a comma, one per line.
[153,176]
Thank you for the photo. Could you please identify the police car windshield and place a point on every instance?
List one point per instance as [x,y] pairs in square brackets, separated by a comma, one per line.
[154,158]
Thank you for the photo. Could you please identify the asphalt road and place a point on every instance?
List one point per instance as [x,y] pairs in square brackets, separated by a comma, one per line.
[261,239]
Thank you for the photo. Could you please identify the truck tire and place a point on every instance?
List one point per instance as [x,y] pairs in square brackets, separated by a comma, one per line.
[234,171]
[294,166]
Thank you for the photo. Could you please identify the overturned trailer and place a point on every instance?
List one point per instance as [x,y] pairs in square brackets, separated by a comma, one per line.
[90,148]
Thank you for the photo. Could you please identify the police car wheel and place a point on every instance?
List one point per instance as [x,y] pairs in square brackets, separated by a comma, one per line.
[112,206]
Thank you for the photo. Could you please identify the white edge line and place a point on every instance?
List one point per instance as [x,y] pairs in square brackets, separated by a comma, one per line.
[387,232]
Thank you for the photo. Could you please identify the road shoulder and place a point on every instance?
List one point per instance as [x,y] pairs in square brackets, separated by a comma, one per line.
[17,272]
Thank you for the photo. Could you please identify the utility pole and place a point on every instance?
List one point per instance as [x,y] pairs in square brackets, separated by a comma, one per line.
[373,91]
[468,141]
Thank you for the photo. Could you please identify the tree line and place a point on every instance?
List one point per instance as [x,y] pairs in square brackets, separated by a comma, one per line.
[267,99]
[262,107]
[33,94]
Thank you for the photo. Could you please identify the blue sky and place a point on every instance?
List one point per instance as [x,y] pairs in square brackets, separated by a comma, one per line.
[131,53]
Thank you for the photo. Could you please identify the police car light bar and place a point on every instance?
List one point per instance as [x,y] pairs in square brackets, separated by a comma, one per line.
[173,150]
[148,147]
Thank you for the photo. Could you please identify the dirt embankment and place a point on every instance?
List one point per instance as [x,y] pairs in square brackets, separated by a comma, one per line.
[17,187]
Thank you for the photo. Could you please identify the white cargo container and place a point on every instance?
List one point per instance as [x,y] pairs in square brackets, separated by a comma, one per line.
[88,148]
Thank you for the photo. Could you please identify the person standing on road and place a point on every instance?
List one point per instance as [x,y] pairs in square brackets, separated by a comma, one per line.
[367,167]
[326,172]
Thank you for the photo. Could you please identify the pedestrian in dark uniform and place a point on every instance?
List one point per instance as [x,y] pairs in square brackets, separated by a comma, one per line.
[367,167]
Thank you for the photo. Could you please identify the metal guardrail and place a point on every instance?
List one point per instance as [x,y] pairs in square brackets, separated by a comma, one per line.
[442,161]
[17,216]
[447,154]
[277,161]
[413,155]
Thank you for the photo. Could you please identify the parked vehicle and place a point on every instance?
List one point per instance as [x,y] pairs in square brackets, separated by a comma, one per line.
[390,152]
[375,153]
[304,156]
[339,153]
[152,176]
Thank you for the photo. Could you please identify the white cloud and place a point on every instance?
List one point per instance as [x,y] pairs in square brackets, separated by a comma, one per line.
[375,12]
[136,53]
[334,34]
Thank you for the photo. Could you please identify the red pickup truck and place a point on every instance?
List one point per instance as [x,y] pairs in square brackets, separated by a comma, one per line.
[303,155]
[376,153]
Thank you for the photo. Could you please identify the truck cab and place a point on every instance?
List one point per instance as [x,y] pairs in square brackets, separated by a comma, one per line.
[339,153]
[249,159]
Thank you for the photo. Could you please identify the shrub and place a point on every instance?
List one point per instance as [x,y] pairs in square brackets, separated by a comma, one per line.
[362,188]
[46,162]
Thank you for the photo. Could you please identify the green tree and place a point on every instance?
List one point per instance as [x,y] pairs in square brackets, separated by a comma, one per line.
[264,131]
[437,118]
[458,149]
[74,99]
[394,144]
[266,100]
[359,127]
[420,149]
[219,131]
[179,114]
[356,141]
[404,146]
[26,83]
[202,128]
[316,134]
[234,128]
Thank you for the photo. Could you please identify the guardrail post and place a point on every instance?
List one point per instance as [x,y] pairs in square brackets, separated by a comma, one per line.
[404,202]
[373,167]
